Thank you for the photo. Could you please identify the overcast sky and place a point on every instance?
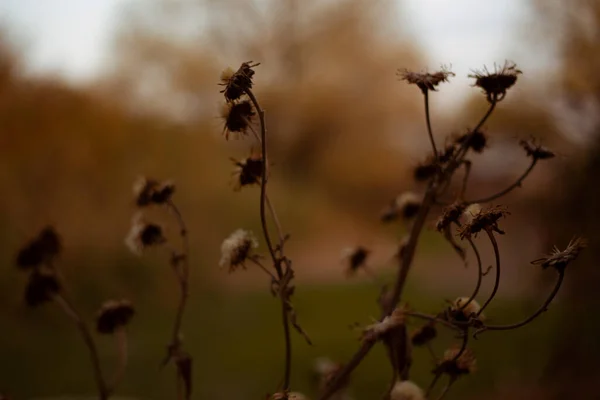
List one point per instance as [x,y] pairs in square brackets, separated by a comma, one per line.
[72,37]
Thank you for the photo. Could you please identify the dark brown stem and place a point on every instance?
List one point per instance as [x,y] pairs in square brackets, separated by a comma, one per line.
[428,120]
[432,384]
[497,281]
[540,311]
[479,276]
[68,308]
[508,189]
[463,189]
[446,389]
[488,113]
[288,346]
[121,338]
[255,261]
[433,319]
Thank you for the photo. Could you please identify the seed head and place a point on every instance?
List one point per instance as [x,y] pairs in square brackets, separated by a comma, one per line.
[406,390]
[495,84]
[424,334]
[451,213]
[376,330]
[40,250]
[472,140]
[406,206]
[113,315]
[355,258]
[425,81]
[150,191]
[482,220]
[536,151]
[426,170]
[41,288]
[455,367]
[560,259]
[143,235]
[248,171]
[237,248]
[463,311]
[238,82]
[238,117]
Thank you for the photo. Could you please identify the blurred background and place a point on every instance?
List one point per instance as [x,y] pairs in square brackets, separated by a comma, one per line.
[94,94]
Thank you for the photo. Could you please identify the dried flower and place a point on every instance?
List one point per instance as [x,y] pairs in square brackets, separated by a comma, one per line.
[406,205]
[483,220]
[560,259]
[425,81]
[355,258]
[426,170]
[324,370]
[143,235]
[41,288]
[238,82]
[248,171]
[406,390]
[455,366]
[450,214]
[472,140]
[113,315]
[150,191]
[463,311]
[495,84]
[376,330]
[40,250]
[237,248]
[424,334]
[536,151]
[238,117]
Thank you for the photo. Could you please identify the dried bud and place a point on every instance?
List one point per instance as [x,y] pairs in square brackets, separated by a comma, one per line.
[455,366]
[483,220]
[495,84]
[143,235]
[473,140]
[424,334]
[238,117]
[451,214]
[560,259]
[150,191]
[40,250]
[409,204]
[426,170]
[463,311]
[238,82]
[237,248]
[376,330]
[41,288]
[248,171]
[425,81]
[406,390]
[536,151]
[355,258]
[113,315]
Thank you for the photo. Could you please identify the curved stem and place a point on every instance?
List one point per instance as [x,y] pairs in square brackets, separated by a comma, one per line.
[428,120]
[488,113]
[540,311]
[121,338]
[497,282]
[446,389]
[277,223]
[255,261]
[508,189]
[432,384]
[479,275]
[463,189]
[432,318]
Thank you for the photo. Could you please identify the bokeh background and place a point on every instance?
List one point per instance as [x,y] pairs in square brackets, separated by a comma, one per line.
[94,94]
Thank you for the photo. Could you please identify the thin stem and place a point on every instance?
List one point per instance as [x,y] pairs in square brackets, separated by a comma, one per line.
[277,223]
[288,345]
[540,311]
[510,188]
[433,319]
[121,338]
[432,384]
[463,346]
[89,342]
[488,113]
[431,352]
[497,282]
[446,389]
[479,276]
[463,189]
[255,261]
[428,120]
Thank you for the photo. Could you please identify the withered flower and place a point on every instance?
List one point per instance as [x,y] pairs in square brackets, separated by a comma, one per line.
[495,84]
[376,330]
[40,250]
[238,117]
[463,311]
[41,288]
[560,259]
[473,140]
[450,214]
[426,170]
[425,81]
[455,367]
[406,390]
[236,83]
[483,220]
[355,258]
[406,206]
[150,191]
[143,235]
[424,334]
[536,151]
[113,315]
[248,171]
[237,248]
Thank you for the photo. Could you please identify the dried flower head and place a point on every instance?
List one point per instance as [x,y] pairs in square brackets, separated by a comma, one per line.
[143,235]
[237,116]
[560,259]
[376,330]
[425,81]
[41,288]
[238,82]
[536,151]
[450,214]
[424,334]
[355,258]
[248,171]
[237,248]
[324,369]
[495,84]
[463,310]
[113,315]
[455,366]
[475,141]
[150,191]
[40,250]
[426,170]
[483,220]
[406,390]
[406,206]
